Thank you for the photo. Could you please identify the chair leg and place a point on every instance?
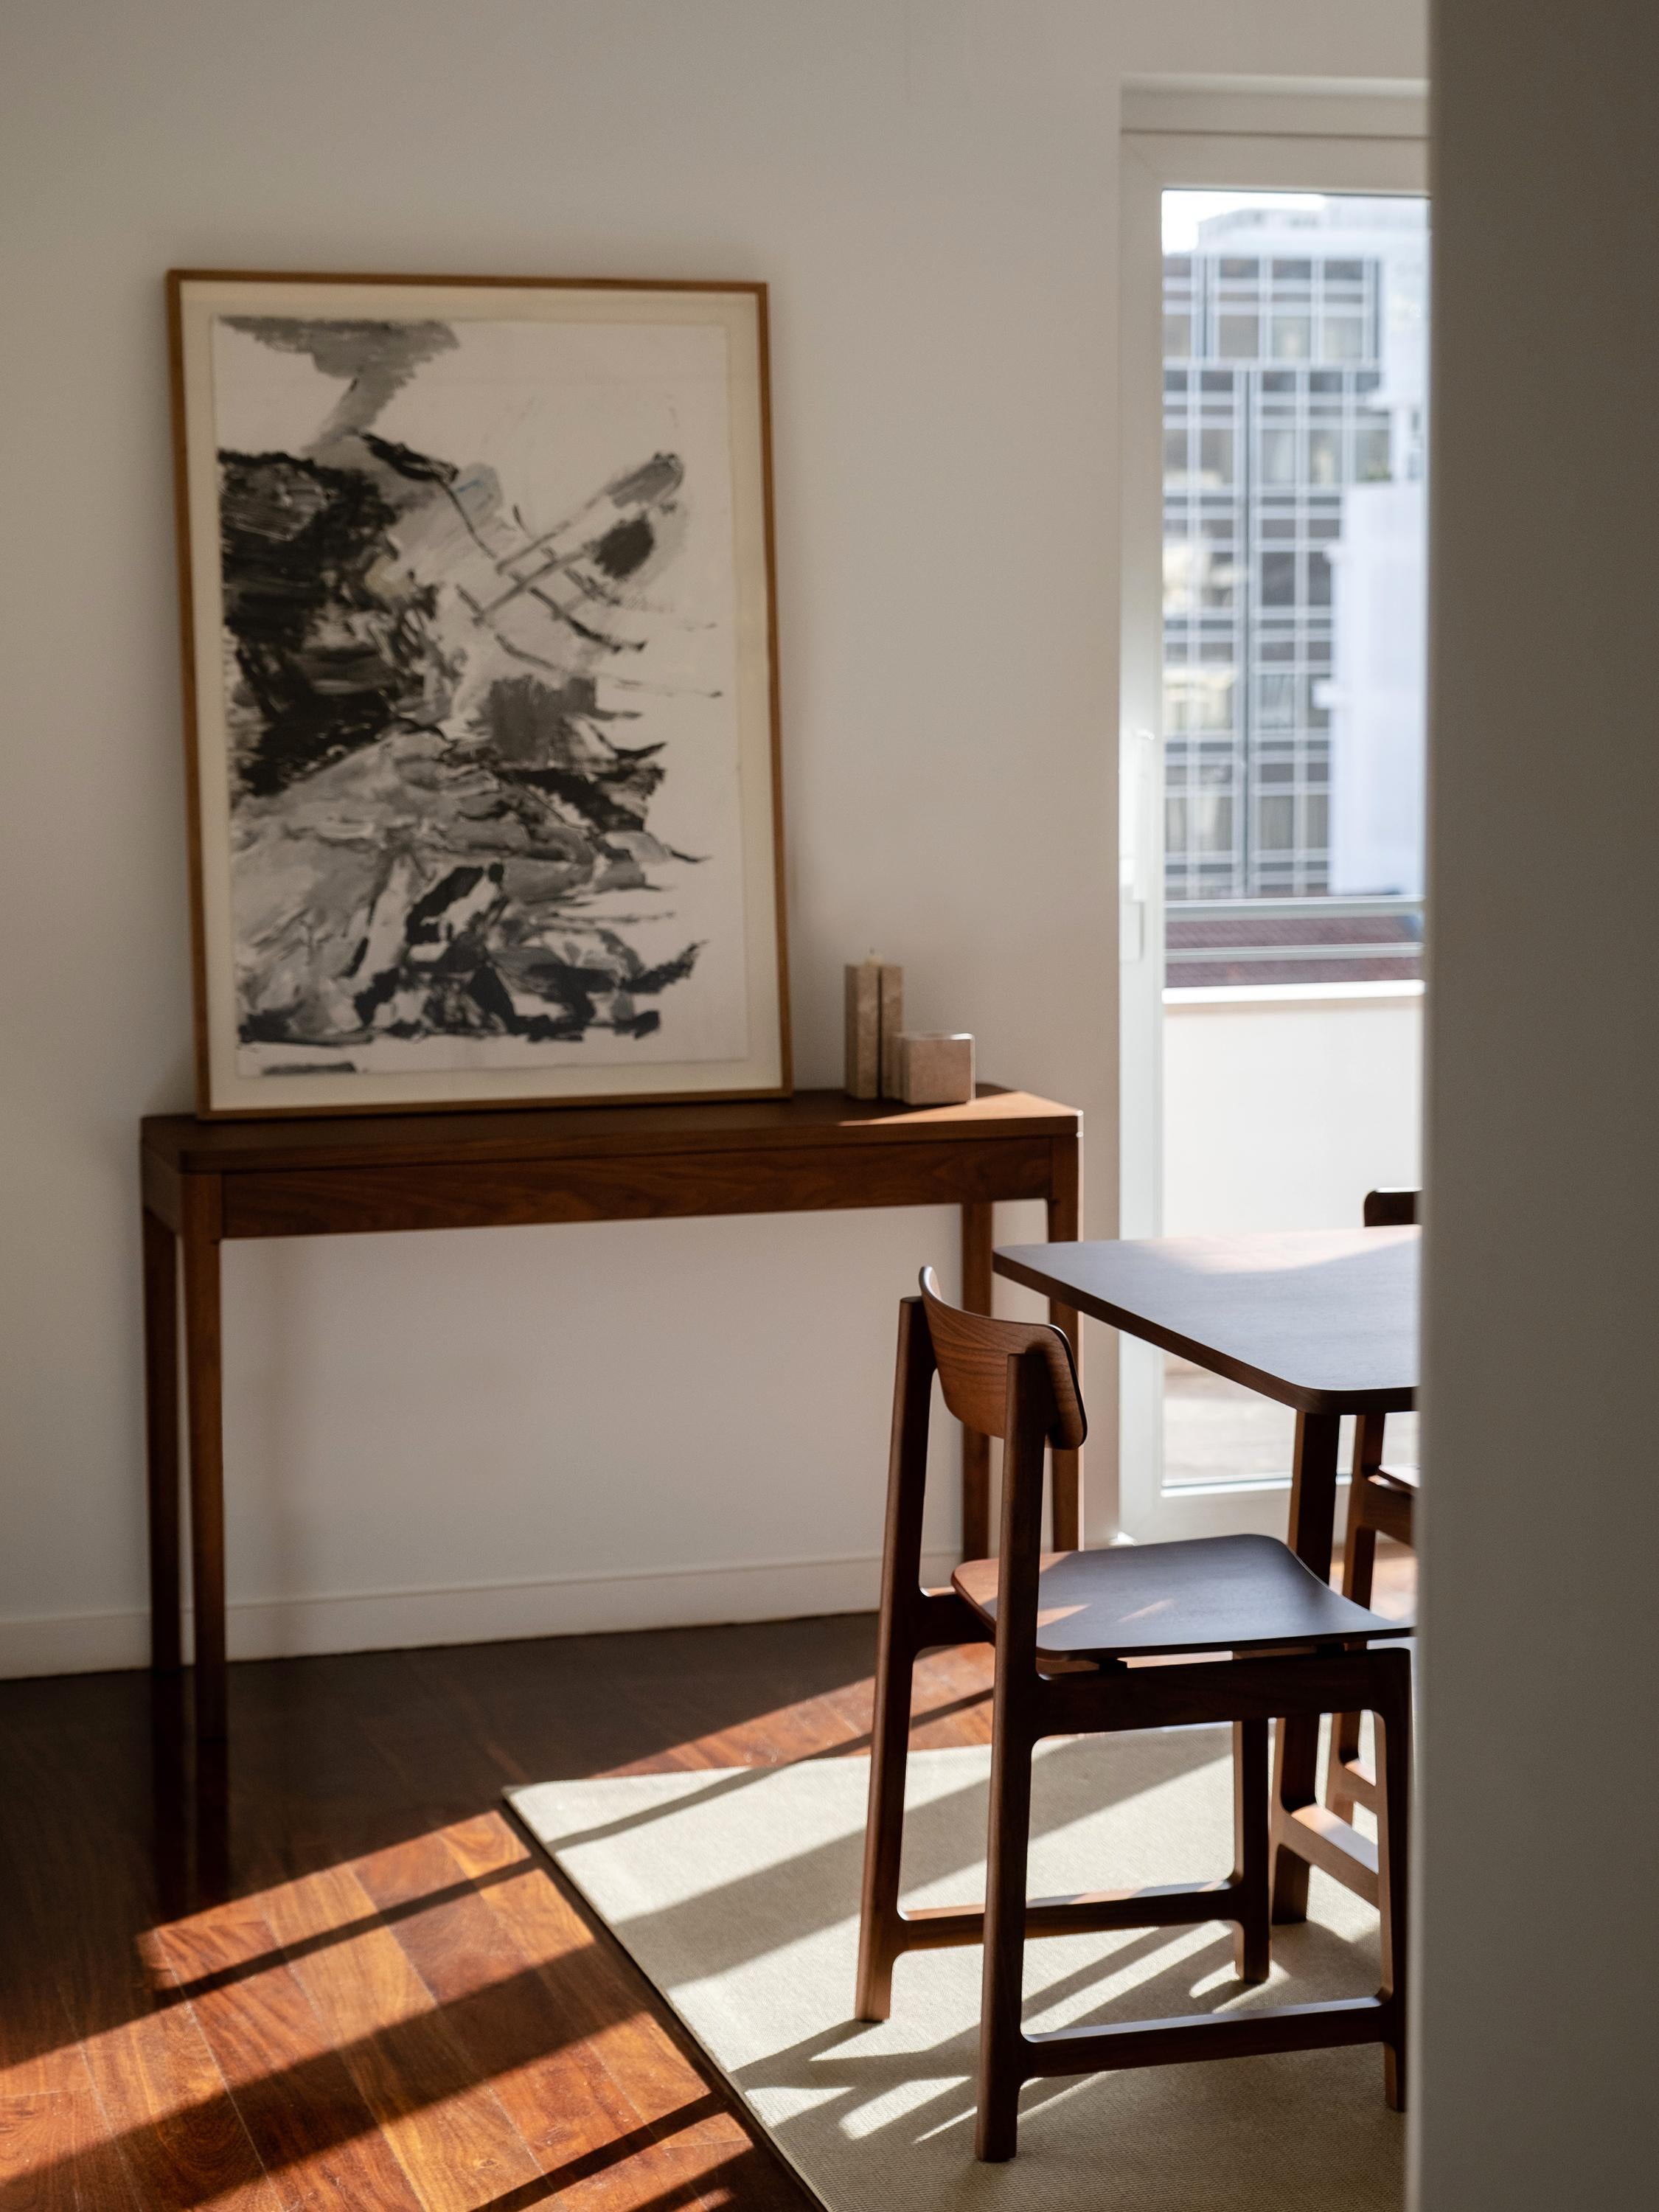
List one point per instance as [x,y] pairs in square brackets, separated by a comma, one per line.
[896,1659]
[884,1835]
[1358,1561]
[1000,2031]
[1253,1932]
[1393,1765]
[1358,1565]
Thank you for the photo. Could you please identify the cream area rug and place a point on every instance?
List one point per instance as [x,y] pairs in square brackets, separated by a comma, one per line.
[736,1890]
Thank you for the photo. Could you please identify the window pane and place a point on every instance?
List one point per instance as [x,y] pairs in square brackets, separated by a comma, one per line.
[1319,580]
[1372,459]
[1214,810]
[1240,336]
[1177,336]
[1278,580]
[1216,589]
[1198,699]
[1177,578]
[1174,456]
[1324,458]
[1215,703]
[1279,456]
[1278,702]
[1292,336]
[1215,458]
[1174,825]
[1344,337]
[1276,823]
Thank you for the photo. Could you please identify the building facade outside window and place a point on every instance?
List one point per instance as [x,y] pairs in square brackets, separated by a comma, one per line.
[1294,438]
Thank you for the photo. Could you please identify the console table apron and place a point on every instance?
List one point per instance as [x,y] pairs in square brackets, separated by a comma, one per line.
[205,1181]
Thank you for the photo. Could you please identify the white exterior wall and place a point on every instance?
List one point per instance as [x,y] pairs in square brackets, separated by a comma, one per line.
[1282,1108]
[1378,691]
[930,186]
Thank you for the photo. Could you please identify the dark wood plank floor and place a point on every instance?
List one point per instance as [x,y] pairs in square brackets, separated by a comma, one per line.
[327,1971]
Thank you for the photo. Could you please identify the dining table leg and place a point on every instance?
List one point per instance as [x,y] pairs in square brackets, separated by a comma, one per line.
[1296,1753]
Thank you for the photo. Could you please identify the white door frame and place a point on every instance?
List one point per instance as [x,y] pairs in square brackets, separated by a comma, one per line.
[1292,138]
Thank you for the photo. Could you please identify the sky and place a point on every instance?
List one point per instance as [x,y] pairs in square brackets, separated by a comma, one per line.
[1184,211]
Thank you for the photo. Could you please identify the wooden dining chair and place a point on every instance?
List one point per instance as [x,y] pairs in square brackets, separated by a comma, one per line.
[1064,1628]
[1381,1502]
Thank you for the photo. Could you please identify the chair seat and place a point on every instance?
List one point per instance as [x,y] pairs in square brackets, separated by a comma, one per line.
[1212,1594]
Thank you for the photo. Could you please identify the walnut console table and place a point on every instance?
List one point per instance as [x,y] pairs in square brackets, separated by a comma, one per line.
[205,1181]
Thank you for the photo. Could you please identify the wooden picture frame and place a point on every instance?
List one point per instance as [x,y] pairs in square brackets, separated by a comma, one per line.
[481,701]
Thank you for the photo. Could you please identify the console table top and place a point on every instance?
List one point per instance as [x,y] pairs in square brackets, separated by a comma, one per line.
[810,1118]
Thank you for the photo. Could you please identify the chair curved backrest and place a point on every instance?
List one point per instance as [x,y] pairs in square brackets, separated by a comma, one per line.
[1392,1209]
[971,1351]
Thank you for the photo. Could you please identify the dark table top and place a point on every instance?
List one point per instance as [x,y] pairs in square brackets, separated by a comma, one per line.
[1324,1320]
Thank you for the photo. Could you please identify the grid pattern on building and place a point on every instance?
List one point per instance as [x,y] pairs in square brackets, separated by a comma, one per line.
[1270,366]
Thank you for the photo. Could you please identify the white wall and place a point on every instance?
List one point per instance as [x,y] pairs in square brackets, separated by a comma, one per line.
[931,189]
[1282,1109]
[1539,2051]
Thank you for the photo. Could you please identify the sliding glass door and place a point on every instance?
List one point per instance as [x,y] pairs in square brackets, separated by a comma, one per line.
[1275,618]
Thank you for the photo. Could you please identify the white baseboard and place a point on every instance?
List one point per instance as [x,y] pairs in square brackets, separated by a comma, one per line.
[487,1612]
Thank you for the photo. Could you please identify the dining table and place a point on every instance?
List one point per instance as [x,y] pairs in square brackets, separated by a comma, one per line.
[1324,1320]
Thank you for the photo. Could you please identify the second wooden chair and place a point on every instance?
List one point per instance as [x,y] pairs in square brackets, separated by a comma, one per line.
[1381,1502]
[1274,1640]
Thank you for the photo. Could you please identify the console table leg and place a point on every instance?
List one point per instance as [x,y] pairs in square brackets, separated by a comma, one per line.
[161,1440]
[976,1218]
[203,1396]
[1065,1227]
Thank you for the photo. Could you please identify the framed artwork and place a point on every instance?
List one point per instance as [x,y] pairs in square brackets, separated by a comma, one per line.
[480,690]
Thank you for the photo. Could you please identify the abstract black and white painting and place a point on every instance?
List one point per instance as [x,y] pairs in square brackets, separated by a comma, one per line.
[484,755]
